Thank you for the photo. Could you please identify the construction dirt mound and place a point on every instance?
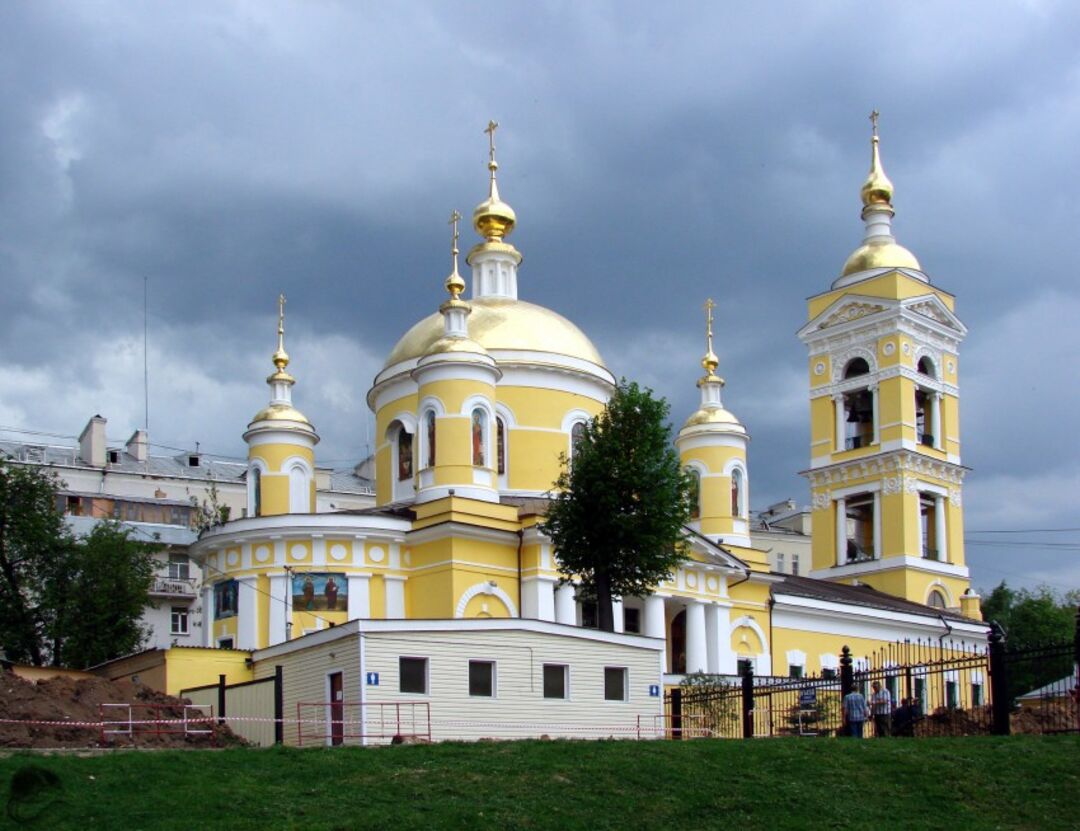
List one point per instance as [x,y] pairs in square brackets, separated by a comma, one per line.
[77,703]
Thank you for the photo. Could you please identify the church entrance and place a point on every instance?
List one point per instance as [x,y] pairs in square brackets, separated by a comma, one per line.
[678,643]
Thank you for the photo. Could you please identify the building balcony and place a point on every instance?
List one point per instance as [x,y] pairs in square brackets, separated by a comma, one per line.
[173,587]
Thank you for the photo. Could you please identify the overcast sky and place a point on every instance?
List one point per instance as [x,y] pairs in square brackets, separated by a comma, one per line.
[656,155]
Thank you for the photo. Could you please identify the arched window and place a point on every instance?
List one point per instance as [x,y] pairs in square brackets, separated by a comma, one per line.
[926,367]
[299,491]
[405,455]
[694,492]
[736,492]
[429,429]
[577,434]
[479,436]
[256,492]
[856,367]
[937,600]
[500,445]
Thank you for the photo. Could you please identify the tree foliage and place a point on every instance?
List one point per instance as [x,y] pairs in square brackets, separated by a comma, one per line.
[1032,617]
[616,520]
[65,600]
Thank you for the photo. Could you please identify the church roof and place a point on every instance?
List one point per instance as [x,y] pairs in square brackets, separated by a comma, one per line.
[857,596]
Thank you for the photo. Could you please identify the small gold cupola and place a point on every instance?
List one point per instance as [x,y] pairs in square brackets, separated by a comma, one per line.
[493,219]
[711,411]
[280,409]
[879,249]
[455,311]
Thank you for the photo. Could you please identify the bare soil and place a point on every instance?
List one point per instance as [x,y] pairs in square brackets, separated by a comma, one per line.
[77,701]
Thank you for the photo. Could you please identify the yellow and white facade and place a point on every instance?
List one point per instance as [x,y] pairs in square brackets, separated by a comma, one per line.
[476,410]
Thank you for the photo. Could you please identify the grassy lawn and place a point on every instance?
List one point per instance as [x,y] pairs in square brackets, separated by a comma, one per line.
[971,783]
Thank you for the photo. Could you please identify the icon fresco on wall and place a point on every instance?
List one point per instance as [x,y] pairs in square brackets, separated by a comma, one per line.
[225,599]
[320,593]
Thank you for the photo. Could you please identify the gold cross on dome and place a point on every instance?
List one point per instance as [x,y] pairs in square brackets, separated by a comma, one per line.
[281,315]
[455,217]
[709,306]
[873,121]
[490,130]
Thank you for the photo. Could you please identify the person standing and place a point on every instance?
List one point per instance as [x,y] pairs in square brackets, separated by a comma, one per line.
[855,713]
[881,707]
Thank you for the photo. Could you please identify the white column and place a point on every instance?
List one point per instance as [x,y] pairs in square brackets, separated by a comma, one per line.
[838,406]
[874,404]
[841,531]
[935,420]
[696,660]
[655,624]
[565,606]
[939,529]
[617,614]
[280,613]
[545,601]
[877,525]
[395,596]
[359,596]
[721,658]
[247,624]
[208,615]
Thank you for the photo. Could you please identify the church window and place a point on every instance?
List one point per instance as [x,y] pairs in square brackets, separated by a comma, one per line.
[577,435]
[299,491]
[780,562]
[615,683]
[937,600]
[405,455]
[500,445]
[926,367]
[737,507]
[256,491]
[976,694]
[795,671]
[828,673]
[857,409]
[555,680]
[694,492]
[479,436]
[856,367]
[631,620]
[589,617]
[860,528]
[795,564]
[413,675]
[952,695]
[744,665]
[429,428]
[482,679]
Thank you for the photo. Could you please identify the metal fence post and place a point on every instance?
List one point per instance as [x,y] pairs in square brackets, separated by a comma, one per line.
[748,701]
[676,713]
[221,699]
[847,675]
[1076,663]
[279,704]
[999,682]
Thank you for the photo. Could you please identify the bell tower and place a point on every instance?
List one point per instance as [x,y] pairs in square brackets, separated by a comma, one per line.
[885,472]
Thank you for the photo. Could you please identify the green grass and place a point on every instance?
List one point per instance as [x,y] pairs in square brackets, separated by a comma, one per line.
[970,783]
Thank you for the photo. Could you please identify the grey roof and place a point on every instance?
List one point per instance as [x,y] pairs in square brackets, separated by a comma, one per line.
[857,596]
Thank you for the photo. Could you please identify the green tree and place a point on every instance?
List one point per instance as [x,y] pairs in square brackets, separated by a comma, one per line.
[65,601]
[34,547]
[616,520]
[99,606]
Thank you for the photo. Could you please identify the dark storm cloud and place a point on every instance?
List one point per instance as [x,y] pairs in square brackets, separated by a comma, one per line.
[655,156]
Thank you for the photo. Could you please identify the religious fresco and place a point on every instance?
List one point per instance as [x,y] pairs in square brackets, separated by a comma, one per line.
[405,460]
[226,597]
[320,593]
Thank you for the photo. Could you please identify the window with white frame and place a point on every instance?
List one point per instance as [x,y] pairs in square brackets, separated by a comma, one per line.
[556,680]
[615,686]
[179,620]
[179,567]
[482,679]
[795,564]
[856,414]
[780,561]
[413,675]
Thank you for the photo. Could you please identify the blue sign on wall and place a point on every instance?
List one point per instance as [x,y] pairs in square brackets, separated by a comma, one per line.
[654,690]
[808,697]
[373,679]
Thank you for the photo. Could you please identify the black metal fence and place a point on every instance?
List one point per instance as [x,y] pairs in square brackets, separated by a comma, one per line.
[935,688]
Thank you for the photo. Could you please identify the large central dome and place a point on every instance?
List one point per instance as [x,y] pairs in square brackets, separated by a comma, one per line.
[503,324]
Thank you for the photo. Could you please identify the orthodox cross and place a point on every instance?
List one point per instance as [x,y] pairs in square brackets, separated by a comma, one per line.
[490,130]
[455,217]
[709,306]
[873,120]
[281,320]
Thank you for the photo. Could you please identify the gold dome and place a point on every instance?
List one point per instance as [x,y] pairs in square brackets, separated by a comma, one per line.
[711,415]
[280,412]
[877,189]
[499,323]
[884,254]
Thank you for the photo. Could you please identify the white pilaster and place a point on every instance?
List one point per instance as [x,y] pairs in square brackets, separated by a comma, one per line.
[359,596]
[838,409]
[939,529]
[874,406]
[617,615]
[655,623]
[538,598]
[247,624]
[841,531]
[877,525]
[208,615]
[935,420]
[696,654]
[395,596]
[280,613]
[721,658]
[565,605]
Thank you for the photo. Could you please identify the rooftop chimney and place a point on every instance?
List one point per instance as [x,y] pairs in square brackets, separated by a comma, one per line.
[92,442]
[138,445]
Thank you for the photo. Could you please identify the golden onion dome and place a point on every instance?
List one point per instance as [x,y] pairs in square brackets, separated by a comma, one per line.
[280,412]
[498,323]
[713,415]
[879,254]
[877,189]
[493,219]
